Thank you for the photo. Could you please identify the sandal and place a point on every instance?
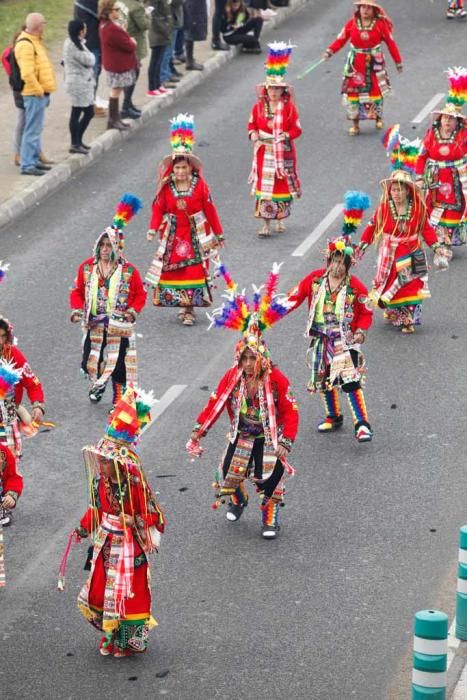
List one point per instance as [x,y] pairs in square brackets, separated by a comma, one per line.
[408,329]
[280,226]
[379,124]
[264,231]
[188,318]
[354,130]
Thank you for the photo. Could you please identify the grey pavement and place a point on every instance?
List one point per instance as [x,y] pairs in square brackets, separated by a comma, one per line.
[369,531]
[19,192]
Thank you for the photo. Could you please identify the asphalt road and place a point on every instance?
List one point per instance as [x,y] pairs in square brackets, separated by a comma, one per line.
[369,531]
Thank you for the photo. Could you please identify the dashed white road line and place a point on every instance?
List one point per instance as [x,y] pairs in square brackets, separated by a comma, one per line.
[166,399]
[428,108]
[318,231]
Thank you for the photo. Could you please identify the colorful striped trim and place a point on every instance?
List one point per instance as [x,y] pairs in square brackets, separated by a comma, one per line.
[182,284]
[275,197]
[405,301]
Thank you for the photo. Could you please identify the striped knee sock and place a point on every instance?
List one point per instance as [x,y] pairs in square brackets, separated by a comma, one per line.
[357,405]
[270,513]
[331,403]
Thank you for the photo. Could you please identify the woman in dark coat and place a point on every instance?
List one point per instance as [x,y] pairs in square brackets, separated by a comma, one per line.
[196,29]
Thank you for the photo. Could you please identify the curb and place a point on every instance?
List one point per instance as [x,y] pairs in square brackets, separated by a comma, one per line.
[44,186]
[457,668]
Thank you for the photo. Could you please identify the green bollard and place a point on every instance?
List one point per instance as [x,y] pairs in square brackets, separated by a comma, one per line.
[461,595]
[430,655]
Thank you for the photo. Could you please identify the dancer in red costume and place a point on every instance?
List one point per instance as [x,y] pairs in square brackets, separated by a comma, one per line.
[125,522]
[273,126]
[400,227]
[366,80]
[189,230]
[107,298]
[441,167]
[262,410]
[338,320]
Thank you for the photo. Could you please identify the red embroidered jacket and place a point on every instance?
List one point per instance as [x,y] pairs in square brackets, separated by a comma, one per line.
[284,402]
[139,503]
[10,478]
[28,382]
[129,297]
[356,295]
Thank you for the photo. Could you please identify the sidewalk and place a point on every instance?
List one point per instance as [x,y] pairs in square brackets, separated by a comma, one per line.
[18,193]
[457,667]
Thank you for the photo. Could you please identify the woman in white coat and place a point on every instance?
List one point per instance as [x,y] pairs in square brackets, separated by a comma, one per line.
[80,83]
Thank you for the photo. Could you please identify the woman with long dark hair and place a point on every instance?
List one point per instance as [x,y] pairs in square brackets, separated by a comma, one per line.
[184,216]
[80,83]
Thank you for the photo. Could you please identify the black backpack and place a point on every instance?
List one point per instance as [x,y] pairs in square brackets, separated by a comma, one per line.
[15,79]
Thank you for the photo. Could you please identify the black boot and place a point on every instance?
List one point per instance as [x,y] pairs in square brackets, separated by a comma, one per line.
[114,118]
[190,61]
[129,111]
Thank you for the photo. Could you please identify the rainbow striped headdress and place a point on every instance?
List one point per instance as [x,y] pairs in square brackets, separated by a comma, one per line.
[129,419]
[402,155]
[128,206]
[277,63]
[10,375]
[250,316]
[355,203]
[457,95]
[182,134]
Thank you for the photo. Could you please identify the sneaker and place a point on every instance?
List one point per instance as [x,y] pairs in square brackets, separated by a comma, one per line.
[450,14]
[5,517]
[106,645]
[95,394]
[461,13]
[176,74]
[43,166]
[329,424]
[152,93]
[121,653]
[267,14]
[33,171]
[234,512]
[364,434]
[269,532]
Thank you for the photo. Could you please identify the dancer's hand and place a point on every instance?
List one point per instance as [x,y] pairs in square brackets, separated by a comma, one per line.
[326,55]
[37,414]
[8,502]
[281,452]
[150,234]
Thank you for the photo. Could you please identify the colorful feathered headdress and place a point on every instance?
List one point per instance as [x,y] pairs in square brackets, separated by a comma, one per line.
[182,140]
[402,152]
[127,208]
[250,316]
[10,375]
[457,95]
[277,62]
[355,203]
[129,419]
[182,133]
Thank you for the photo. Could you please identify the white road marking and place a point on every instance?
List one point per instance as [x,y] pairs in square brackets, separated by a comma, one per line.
[428,108]
[453,643]
[460,693]
[166,399]
[318,231]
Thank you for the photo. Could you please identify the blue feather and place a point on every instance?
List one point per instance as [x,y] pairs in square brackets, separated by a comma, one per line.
[353,199]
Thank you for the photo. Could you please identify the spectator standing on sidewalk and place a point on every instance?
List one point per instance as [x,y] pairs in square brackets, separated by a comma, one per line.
[80,82]
[178,36]
[39,81]
[118,58]
[87,12]
[195,17]
[139,21]
[160,37]
[219,9]
[238,28]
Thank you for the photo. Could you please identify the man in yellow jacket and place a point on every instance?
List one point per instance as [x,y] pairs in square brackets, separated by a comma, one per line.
[39,81]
